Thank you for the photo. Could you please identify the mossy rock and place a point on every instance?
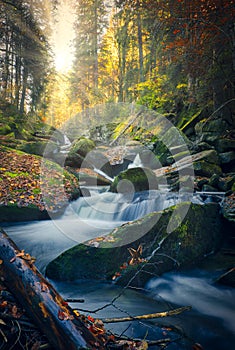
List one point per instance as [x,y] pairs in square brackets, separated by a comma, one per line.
[215,126]
[14,213]
[210,156]
[32,185]
[203,168]
[134,180]
[78,151]
[103,134]
[169,139]
[227,157]
[82,146]
[40,148]
[225,145]
[194,238]
[4,129]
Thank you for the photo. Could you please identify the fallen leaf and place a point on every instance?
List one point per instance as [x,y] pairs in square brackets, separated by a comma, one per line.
[44,287]
[91,319]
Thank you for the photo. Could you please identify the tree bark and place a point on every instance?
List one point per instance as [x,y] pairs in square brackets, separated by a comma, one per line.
[41,301]
[140,45]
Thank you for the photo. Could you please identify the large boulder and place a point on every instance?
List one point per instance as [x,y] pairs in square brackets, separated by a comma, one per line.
[166,143]
[227,160]
[134,180]
[225,145]
[78,151]
[102,258]
[203,168]
[210,130]
[32,188]
[39,147]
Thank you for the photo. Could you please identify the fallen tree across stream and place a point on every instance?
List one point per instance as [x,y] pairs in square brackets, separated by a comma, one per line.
[64,327]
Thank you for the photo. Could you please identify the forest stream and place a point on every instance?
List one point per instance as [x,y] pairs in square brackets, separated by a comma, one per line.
[209,323]
[90,90]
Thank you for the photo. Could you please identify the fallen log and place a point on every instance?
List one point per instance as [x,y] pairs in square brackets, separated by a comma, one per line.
[148,316]
[54,317]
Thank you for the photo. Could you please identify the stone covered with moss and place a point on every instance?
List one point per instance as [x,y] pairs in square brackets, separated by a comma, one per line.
[101,258]
[78,151]
[134,180]
[31,186]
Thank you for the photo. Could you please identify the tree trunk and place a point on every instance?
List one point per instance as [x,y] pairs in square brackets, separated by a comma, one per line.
[95,47]
[140,45]
[38,297]
[24,88]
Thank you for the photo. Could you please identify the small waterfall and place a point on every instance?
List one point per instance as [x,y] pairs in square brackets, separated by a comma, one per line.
[66,140]
[137,163]
[87,218]
[100,172]
[117,206]
[66,145]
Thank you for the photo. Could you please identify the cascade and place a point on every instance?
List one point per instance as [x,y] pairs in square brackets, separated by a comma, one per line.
[137,163]
[120,207]
[102,173]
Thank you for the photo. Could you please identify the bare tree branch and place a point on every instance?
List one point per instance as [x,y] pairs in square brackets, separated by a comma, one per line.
[148,316]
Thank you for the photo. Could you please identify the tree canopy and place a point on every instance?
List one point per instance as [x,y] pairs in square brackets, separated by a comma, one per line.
[24,53]
[175,56]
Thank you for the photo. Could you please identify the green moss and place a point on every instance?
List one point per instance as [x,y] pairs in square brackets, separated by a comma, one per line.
[36,190]
[183,230]
[14,174]
[83,146]
[185,123]
[181,155]
[12,212]
[188,243]
[4,129]
[233,187]
[203,168]
[134,180]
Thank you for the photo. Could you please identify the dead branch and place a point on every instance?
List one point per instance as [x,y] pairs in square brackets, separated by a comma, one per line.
[148,316]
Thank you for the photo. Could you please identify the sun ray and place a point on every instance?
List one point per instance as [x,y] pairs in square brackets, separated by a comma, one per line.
[63,36]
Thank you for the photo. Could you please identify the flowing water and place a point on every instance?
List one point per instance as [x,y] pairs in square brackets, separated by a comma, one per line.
[84,219]
[211,320]
[209,323]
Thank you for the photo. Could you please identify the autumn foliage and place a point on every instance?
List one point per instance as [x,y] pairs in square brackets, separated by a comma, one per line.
[21,182]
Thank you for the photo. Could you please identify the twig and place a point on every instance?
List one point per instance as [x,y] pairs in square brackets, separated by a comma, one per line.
[18,337]
[218,109]
[75,300]
[148,316]
[3,335]
[150,342]
[45,346]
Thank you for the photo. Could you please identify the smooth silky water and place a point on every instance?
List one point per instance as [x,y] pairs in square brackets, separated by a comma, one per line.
[211,320]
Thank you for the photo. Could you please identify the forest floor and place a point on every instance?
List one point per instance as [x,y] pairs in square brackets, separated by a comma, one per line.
[21,181]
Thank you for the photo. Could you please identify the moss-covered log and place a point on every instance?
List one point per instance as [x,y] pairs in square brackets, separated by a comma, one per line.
[38,297]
